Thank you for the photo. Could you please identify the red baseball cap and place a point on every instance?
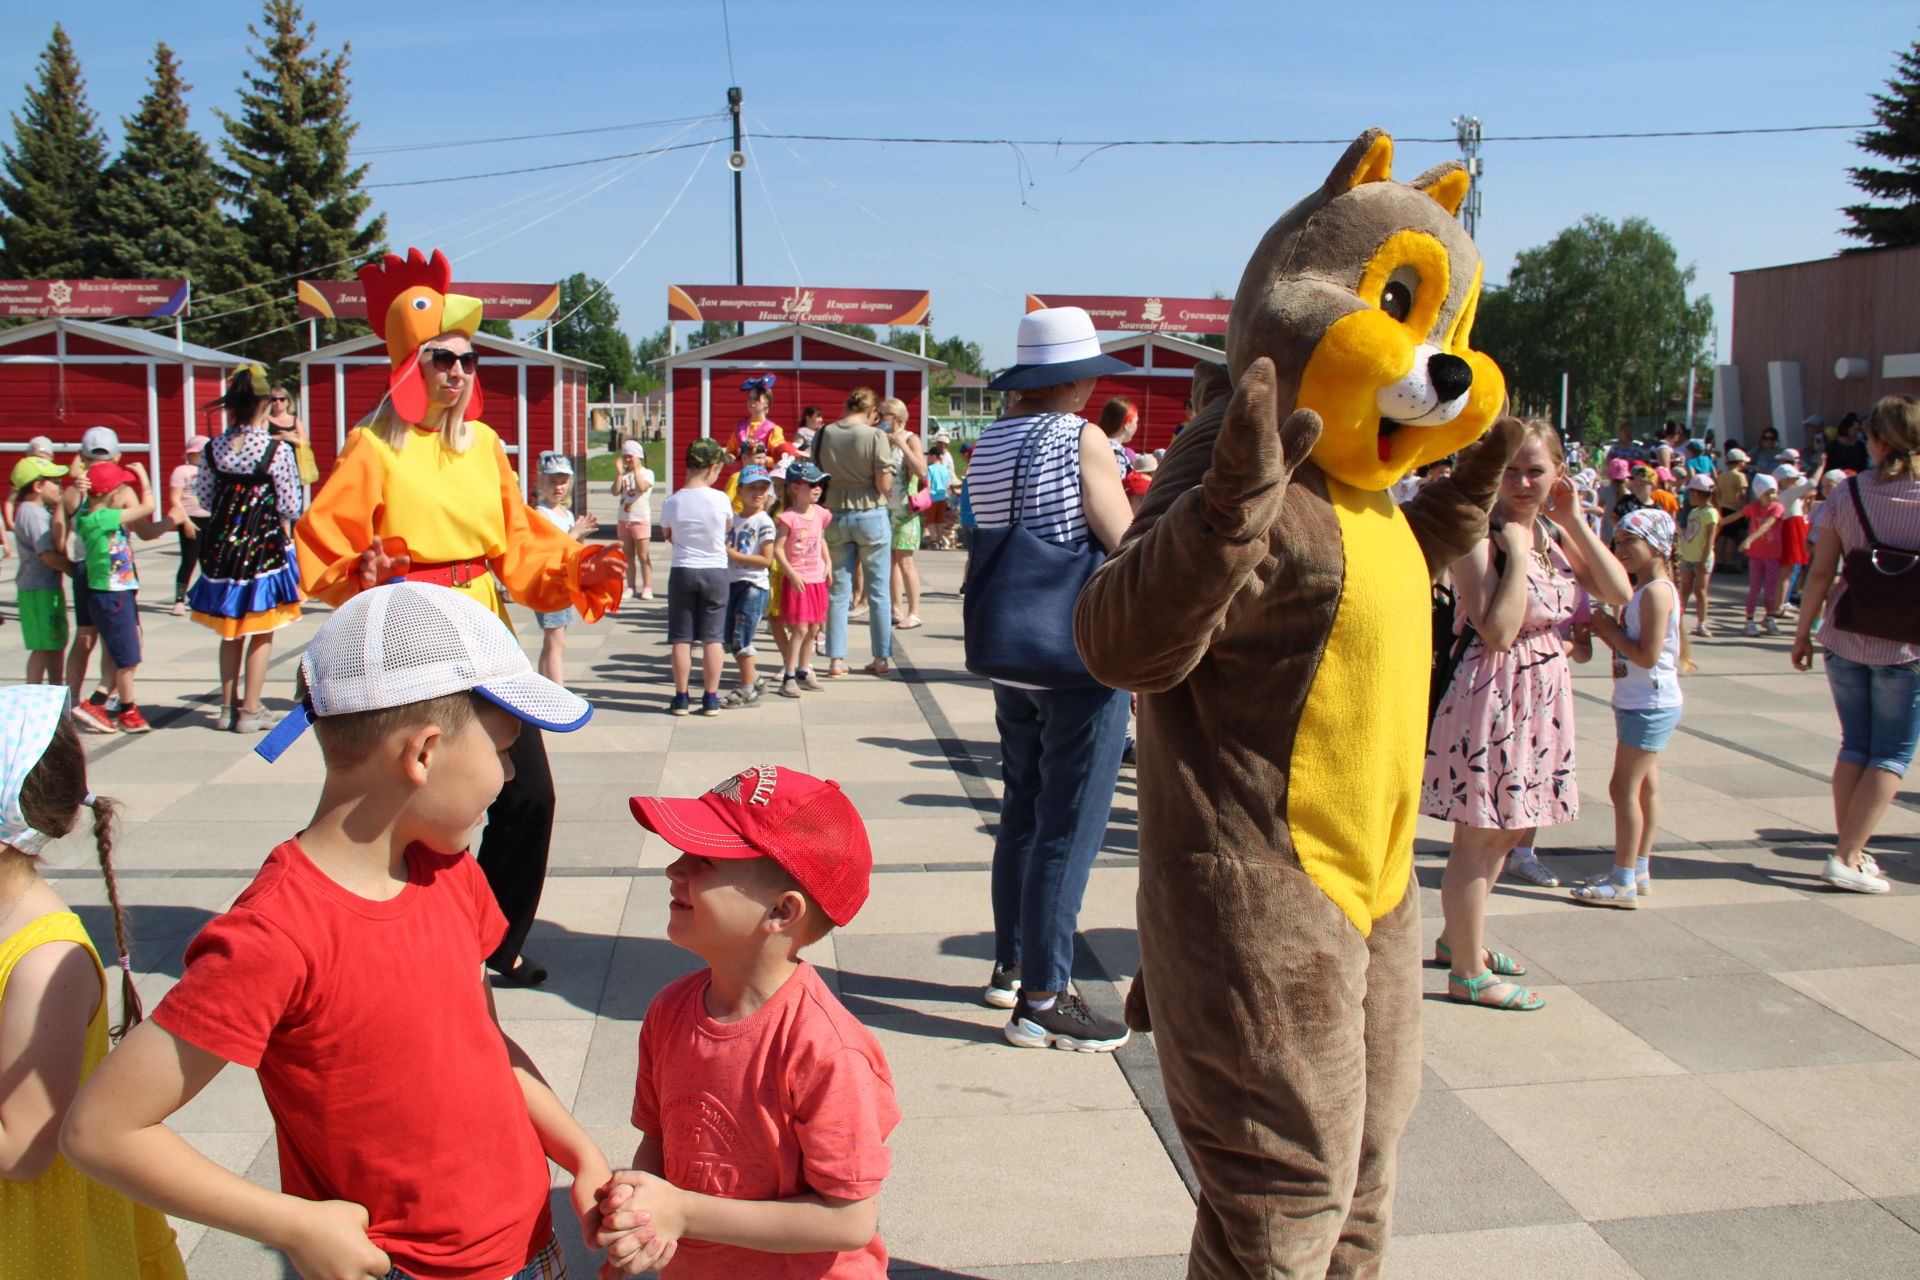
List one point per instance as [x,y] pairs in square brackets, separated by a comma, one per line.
[804,823]
[105,477]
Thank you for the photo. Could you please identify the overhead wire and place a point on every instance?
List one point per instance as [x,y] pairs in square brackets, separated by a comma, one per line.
[753,162]
[855,201]
[539,168]
[400,148]
[645,240]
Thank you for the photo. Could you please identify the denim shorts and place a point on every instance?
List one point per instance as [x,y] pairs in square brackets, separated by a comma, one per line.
[1646,728]
[746,605]
[559,621]
[1879,707]
[116,615]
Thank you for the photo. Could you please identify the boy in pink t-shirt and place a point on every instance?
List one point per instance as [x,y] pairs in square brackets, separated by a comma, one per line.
[765,1105]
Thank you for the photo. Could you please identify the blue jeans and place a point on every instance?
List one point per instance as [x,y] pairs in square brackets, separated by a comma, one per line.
[1879,710]
[746,604]
[1060,757]
[868,537]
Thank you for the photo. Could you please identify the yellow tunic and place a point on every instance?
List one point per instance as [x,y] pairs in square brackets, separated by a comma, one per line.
[445,507]
[60,1225]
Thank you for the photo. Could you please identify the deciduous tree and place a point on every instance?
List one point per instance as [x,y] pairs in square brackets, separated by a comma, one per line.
[592,332]
[1606,304]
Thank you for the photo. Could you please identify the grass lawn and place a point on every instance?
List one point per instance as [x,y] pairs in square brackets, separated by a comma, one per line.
[602,466]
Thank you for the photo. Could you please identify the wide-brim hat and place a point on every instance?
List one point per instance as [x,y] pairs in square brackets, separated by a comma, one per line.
[1056,345]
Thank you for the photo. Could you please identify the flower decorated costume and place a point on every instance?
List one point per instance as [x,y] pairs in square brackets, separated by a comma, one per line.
[1260,605]
[455,518]
[249,486]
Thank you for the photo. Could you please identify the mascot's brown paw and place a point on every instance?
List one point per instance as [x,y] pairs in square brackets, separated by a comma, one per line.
[1136,1012]
[1479,468]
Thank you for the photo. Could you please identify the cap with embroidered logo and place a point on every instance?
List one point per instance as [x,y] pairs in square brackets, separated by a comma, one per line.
[804,823]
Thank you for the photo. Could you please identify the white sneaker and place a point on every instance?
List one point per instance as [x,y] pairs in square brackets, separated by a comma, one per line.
[1753,628]
[1767,627]
[1841,876]
[646,593]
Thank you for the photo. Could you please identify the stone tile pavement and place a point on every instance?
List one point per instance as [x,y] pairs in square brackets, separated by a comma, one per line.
[1724,1083]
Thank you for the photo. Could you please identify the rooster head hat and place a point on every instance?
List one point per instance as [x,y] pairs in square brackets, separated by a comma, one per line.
[408,303]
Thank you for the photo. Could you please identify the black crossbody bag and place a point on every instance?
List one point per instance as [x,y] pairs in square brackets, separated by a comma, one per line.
[1882,598]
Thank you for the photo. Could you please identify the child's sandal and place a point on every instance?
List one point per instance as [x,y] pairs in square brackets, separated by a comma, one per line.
[1605,893]
[1519,999]
[1497,961]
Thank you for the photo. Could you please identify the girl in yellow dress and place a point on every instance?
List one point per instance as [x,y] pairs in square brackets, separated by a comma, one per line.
[54,1223]
[423,491]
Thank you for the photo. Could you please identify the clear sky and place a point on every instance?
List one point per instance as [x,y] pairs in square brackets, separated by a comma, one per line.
[983,226]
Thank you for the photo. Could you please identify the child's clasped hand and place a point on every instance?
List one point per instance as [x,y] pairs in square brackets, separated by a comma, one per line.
[640,1223]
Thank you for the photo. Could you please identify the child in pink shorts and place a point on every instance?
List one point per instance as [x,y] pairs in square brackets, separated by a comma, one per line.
[800,548]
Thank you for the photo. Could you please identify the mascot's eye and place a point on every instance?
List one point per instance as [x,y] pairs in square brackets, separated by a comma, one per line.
[1396,300]
[421,304]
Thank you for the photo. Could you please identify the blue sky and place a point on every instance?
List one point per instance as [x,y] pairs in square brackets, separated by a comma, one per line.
[982,226]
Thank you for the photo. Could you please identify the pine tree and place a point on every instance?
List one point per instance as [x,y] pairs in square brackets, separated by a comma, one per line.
[160,215]
[1897,140]
[49,191]
[294,192]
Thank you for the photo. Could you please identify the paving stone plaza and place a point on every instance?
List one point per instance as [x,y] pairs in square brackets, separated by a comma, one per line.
[1725,1082]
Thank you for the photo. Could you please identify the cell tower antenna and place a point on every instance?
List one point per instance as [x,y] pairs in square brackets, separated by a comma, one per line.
[1466,130]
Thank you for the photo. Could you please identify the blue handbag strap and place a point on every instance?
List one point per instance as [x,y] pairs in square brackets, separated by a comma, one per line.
[1041,425]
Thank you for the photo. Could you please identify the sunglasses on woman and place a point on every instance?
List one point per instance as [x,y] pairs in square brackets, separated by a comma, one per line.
[444,360]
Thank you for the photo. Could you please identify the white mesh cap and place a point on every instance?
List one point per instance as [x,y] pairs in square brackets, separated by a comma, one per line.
[407,642]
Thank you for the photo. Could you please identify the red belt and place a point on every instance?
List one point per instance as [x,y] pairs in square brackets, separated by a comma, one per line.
[454,573]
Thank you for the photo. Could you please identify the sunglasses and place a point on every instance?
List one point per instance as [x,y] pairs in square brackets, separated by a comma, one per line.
[443,360]
[278,399]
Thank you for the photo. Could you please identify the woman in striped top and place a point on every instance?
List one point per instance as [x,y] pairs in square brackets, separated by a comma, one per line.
[1059,748]
[1875,682]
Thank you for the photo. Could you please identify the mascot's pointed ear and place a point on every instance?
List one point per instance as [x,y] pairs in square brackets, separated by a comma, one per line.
[1447,183]
[1369,159]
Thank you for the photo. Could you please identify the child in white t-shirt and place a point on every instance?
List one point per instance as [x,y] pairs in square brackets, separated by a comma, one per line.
[696,520]
[555,502]
[749,554]
[631,484]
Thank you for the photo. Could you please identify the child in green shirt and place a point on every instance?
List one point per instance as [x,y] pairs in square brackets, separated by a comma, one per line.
[121,500]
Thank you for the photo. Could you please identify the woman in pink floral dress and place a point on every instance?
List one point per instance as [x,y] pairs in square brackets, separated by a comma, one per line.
[1500,754]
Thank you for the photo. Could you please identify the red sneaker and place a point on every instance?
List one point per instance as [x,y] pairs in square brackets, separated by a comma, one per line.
[131,721]
[93,719]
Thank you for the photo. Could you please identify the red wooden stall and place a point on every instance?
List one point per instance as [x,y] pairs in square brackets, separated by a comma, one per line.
[813,366]
[534,398]
[1158,385]
[60,376]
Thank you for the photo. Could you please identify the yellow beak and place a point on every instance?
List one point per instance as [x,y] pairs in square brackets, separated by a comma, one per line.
[460,314]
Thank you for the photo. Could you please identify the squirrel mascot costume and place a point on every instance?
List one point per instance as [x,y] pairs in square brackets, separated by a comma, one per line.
[1271,606]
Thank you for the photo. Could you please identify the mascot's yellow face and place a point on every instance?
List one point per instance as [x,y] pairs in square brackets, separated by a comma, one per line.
[1364,294]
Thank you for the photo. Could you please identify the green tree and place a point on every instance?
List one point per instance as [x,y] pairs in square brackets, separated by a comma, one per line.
[1606,304]
[293,188]
[958,354]
[1897,140]
[160,212]
[593,333]
[49,194]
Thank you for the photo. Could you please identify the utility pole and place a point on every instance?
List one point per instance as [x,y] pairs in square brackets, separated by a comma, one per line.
[737,162]
[1466,130]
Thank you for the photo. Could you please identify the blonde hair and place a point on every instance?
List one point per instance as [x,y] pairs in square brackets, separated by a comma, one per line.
[1895,421]
[456,433]
[861,400]
[1543,431]
[895,408]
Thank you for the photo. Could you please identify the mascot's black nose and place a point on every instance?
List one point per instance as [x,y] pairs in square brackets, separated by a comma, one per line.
[1450,375]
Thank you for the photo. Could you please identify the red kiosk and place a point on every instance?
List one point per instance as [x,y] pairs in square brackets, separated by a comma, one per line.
[813,366]
[59,376]
[535,399]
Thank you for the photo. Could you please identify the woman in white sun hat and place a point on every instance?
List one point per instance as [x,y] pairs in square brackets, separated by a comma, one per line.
[1060,747]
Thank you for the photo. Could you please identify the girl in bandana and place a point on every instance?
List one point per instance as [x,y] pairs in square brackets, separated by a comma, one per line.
[1650,654]
[55,1223]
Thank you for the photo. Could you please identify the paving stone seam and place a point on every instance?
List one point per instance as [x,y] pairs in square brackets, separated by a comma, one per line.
[1745,750]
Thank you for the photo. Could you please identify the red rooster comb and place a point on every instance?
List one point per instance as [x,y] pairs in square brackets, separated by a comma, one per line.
[388,278]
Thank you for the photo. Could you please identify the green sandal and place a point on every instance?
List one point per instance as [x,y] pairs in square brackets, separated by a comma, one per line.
[1520,1000]
[1497,961]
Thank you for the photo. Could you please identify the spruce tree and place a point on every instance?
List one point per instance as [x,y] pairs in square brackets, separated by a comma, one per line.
[297,208]
[50,176]
[1897,140]
[160,215]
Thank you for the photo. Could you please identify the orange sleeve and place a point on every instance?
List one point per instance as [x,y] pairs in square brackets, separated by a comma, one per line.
[540,564]
[339,525]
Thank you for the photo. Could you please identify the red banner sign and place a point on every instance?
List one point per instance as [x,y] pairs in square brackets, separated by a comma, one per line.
[797,304]
[93,299]
[347,299]
[1143,315]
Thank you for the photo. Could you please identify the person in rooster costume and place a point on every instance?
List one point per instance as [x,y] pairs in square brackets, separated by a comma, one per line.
[423,491]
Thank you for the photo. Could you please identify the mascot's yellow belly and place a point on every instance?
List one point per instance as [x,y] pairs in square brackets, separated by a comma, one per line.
[1353,788]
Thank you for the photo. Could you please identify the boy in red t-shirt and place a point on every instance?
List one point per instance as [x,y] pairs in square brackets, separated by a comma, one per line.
[766,1106]
[413,1134]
